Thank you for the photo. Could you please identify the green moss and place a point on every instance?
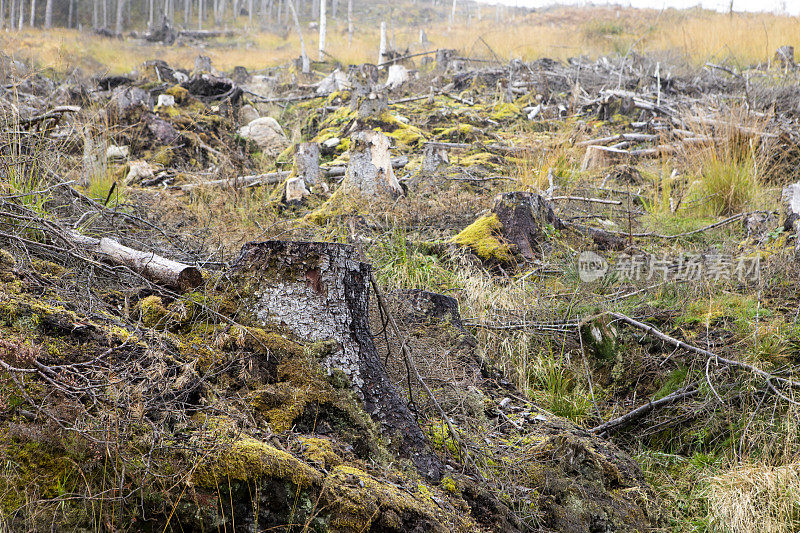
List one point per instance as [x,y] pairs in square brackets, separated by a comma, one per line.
[408,136]
[152,312]
[7,261]
[405,134]
[483,238]
[320,452]
[337,98]
[48,269]
[287,155]
[337,205]
[439,435]
[166,111]
[484,159]
[162,157]
[180,94]
[459,133]
[503,112]
[326,134]
[449,485]
[248,458]
[35,470]
[361,498]
[339,118]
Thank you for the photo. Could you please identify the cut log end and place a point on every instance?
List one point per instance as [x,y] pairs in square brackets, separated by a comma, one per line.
[189,278]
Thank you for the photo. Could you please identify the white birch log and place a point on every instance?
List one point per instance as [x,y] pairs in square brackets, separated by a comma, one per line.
[158,269]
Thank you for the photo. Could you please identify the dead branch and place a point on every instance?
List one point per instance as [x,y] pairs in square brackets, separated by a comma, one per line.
[642,411]
[724,222]
[705,353]
[254,180]
[56,113]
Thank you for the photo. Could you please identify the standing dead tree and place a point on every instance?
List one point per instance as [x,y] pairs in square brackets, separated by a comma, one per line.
[350,22]
[303,54]
[323,28]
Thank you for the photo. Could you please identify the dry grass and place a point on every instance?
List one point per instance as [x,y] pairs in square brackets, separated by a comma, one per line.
[756,498]
[695,35]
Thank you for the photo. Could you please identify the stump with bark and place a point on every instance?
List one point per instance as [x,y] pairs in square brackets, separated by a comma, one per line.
[306,162]
[513,231]
[434,159]
[369,171]
[320,292]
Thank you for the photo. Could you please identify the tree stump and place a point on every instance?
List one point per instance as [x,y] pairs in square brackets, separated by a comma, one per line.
[320,292]
[434,158]
[370,104]
[398,75]
[523,215]
[512,230]
[306,162]
[784,56]
[295,190]
[444,57]
[369,171]
[202,65]
[128,104]
[790,200]
[599,157]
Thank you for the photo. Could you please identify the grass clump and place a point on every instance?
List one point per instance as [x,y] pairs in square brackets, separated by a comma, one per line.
[729,185]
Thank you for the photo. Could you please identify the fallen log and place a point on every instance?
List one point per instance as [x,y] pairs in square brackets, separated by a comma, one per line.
[254,180]
[55,113]
[272,178]
[205,34]
[161,270]
[494,147]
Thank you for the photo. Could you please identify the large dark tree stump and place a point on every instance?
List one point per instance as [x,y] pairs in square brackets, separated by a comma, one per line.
[320,291]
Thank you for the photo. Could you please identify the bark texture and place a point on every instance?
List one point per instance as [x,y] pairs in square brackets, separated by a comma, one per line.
[320,292]
[369,171]
[306,161]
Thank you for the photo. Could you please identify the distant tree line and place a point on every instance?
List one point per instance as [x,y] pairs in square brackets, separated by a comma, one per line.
[118,16]
[121,15]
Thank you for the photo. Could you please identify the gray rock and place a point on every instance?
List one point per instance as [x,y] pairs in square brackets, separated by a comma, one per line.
[127,104]
[267,134]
